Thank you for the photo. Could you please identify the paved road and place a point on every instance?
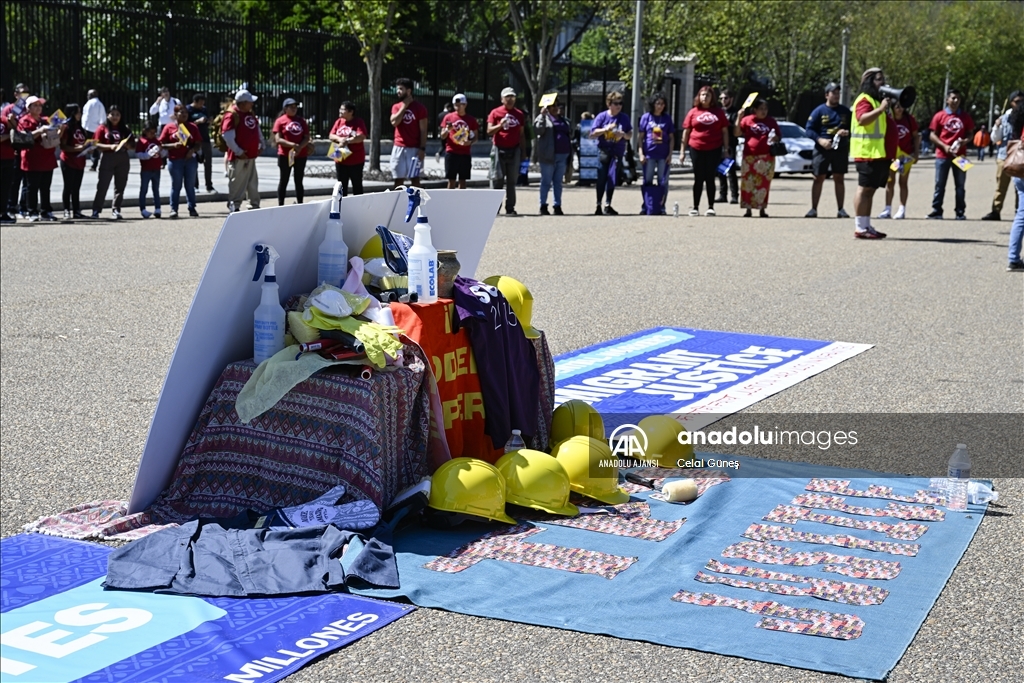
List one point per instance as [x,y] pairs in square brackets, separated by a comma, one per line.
[89,314]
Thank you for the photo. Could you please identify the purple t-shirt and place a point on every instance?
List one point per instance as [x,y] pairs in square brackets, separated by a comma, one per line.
[505,360]
[563,136]
[608,145]
[656,130]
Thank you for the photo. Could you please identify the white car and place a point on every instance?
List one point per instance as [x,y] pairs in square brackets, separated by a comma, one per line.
[801,149]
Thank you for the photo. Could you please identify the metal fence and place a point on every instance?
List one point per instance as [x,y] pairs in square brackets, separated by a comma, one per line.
[63,49]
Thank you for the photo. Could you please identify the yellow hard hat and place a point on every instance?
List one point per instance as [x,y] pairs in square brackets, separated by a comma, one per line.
[581,457]
[663,439]
[575,418]
[536,480]
[373,248]
[519,297]
[471,487]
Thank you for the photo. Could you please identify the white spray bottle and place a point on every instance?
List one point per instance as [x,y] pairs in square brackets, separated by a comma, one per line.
[268,318]
[422,254]
[332,259]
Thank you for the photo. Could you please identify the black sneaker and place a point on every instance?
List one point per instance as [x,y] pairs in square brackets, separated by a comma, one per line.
[1015,266]
[7,220]
[598,211]
[557,211]
[544,210]
[991,216]
[511,212]
[193,213]
[961,217]
[609,211]
[734,200]
[934,216]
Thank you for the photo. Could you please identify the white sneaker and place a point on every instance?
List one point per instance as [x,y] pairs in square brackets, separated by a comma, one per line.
[886,213]
[117,215]
[694,212]
[146,214]
[900,213]
[709,212]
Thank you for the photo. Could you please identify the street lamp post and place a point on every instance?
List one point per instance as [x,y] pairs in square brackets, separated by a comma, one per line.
[842,72]
[637,42]
[950,49]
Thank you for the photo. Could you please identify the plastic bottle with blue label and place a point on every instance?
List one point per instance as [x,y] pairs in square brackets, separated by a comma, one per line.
[423,263]
[268,318]
[958,471]
[332,258]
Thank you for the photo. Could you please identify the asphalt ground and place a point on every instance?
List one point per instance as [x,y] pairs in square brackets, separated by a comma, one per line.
[90,312]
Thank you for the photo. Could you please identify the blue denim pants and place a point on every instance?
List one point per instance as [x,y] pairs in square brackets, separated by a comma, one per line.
[552,175]
[659,166]
[942,169]
[149,178]
[183,171]
[1017,229]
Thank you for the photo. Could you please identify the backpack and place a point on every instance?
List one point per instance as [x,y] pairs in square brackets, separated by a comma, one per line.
[215,130]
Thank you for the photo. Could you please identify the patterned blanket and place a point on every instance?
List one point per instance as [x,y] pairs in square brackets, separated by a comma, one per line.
[333,428]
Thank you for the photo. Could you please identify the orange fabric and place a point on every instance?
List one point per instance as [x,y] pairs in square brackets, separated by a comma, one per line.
[982,139]
[451,360]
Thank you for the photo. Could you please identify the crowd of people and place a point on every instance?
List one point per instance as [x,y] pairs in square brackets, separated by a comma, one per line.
[879,134]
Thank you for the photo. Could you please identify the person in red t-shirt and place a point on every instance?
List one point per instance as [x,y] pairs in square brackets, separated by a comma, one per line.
[459,132]
[150,154]
[291,135]
[241,132]
[39,161]
[73,142]
[111,139]
[758,168]
[951,128]
[706,133]
[182,140]
[505,124]
[409,118]
[908,143]
[349,132]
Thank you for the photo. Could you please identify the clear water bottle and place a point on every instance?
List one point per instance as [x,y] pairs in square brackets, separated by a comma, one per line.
[979,494]
[675,209]
[515,442]
[959,463]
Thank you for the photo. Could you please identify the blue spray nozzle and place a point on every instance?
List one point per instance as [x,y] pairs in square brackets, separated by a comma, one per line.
[416,197]
[265,257]
[336,197]
[414,201]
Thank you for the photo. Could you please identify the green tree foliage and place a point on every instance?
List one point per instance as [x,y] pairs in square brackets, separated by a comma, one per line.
[537,28]
[987,41]
[667,30]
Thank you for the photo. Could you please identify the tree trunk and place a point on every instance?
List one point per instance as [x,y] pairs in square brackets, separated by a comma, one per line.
[374,66]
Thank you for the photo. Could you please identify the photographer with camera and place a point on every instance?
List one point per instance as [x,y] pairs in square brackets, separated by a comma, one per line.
[873,146]
[951,128]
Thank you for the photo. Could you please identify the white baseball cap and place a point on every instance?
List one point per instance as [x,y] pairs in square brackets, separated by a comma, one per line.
[33,99]
[460,99]
[244,95]
[507,92]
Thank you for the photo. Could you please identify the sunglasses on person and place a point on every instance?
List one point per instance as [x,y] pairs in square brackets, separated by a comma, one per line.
[615,103]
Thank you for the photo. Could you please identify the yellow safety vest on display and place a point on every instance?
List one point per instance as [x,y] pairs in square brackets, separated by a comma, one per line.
[867,142]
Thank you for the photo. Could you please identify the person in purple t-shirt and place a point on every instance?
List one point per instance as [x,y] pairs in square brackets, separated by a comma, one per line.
[611,128]
[659,140]
[505,359]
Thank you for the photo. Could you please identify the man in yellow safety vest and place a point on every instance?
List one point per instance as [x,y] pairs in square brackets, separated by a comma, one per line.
[869,147]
